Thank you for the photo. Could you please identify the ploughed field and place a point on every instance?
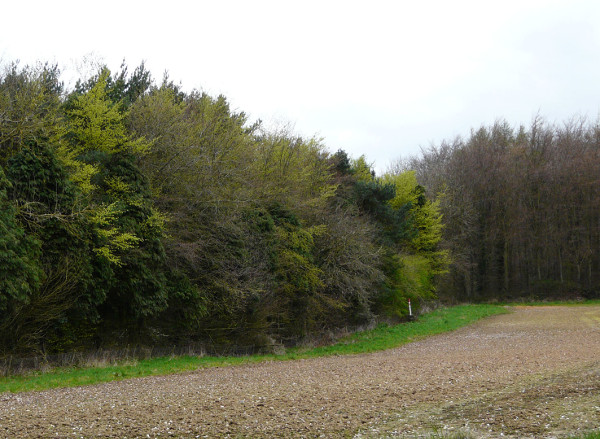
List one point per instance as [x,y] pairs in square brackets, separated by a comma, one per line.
[532,373]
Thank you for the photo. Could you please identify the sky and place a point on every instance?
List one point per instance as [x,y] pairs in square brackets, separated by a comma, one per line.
[381,78]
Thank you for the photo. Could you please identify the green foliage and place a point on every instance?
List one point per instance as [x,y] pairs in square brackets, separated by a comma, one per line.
[408,277]
[122,89]
[425,215]
[291,171]
[133,209]
[47,206]
[406,189]
[97,124]
[130,209]
[590,435]
[134,238]
[20,274]
[411,273]
[373,198]
[99,142]
[298,279]
[126,89]
[362,170]
[29,106]
[341,162]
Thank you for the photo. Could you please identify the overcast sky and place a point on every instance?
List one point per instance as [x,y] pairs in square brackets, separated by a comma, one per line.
[380,78]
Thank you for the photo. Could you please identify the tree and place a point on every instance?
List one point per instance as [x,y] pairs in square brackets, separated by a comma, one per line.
[45,204]
[122,89]
[97,135]
[519,209]
[20,272]
[128,228]
[29,106]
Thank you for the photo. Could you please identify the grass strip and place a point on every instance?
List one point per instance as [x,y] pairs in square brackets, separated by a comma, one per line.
[591,435]
[380,338]
[589,302]
[386,337]
[459,435]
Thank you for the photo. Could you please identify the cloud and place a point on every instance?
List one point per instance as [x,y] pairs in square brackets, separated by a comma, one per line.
[380,78]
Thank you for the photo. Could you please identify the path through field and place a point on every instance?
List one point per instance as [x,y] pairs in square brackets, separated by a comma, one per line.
[532,373]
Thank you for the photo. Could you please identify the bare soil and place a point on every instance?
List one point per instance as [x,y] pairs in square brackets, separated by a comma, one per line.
[532,373]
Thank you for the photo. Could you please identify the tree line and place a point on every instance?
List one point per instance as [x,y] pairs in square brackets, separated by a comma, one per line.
[521,209]
[132,211]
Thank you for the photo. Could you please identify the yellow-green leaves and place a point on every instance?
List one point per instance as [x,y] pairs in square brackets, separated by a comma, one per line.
[362,169]
[154,224]
[405,184]
[97,125]
[117,187]
[411,272]
[425,214]
[114,241]
[81,173]
[97,131]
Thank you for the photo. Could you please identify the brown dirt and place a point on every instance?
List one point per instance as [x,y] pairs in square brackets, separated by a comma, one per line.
[532,373]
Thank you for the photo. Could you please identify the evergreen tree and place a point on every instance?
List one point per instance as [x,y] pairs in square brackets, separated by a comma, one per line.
[47,206]
[20,273]
[128,227]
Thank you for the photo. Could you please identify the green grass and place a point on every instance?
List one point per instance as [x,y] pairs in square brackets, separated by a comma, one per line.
[554,303]
[380,338]
[592,435]
[451,435]
[387,337]
[460,435]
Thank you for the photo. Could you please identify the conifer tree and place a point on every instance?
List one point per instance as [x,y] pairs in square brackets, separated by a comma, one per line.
[20,273]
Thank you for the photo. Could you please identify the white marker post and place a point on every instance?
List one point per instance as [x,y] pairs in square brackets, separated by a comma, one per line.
[409,310]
